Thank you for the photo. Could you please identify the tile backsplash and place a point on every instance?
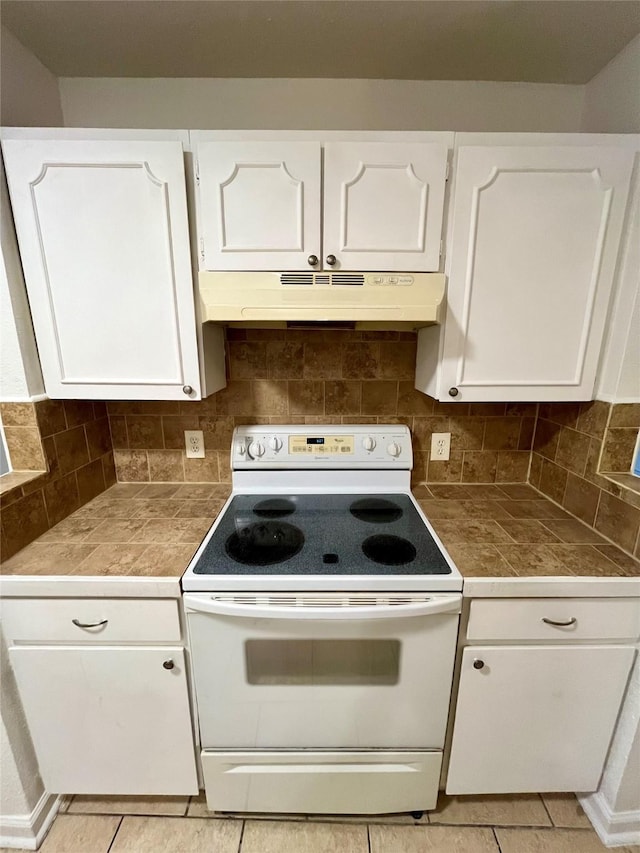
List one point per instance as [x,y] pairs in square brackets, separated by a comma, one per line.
[315,377]
[70,444]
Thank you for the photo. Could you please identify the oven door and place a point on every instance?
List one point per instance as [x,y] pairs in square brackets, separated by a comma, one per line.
[322,670]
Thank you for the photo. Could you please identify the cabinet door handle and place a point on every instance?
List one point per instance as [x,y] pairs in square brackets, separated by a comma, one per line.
[566,624]
[168,664]
[312,260]
[478,664]
[187,389]
[89,624]
[331,260]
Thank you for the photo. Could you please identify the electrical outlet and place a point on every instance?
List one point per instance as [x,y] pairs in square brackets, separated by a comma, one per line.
[194,443]
[440,445]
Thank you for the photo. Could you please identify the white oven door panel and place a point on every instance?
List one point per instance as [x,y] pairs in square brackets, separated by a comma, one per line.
[322,683]
[321,782]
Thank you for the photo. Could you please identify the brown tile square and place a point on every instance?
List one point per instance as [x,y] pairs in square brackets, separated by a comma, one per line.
[593,418]
[247,359]
[18,414]
[570,530]
[111,559]
[70,529]
[617,453]
[451,410]
[71,449]
[628,564]
[163,531]
[398,360]
[535,469]
[61,498]
[625,415]
[413,402]
[528,530]
[553,480]
[522,410]
[546,438]
[131,465]
[235,399]
[270,397]
[535,560]
[164,560]
[527,430]
[445,472]
[145,432]
[513,466]
[50,416]
[424,427]
[200,509]
[380,397]
[165,465]
[479,561]
[487,509]
[90,479]
[195,529]
[487,410]
[156,508]
[218,432]
[479,466]
[48,558]
[466,433]
[451,491]
[124,490]
[108,469]
[157,491]
[78,412]
[581,498]
[224,467]
[618,521]
[586,560]
[173,427]
[467,532]
[306,397]
[573,448]
[285,359]
[342,397]
[98,437]
[361,360]
[533,509]
[322,360]
[25,448]
[565,414]
[22,522]
[118,429]
[205,470]
[114,530]
[502,434]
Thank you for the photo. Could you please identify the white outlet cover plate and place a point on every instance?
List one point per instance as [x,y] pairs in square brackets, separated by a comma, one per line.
[440,446]
[194,443]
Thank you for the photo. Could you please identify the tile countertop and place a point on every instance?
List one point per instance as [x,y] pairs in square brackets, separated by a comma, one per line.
[152,531]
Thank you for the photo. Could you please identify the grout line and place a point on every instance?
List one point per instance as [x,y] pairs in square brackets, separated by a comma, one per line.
[495,835]
[546,809]
[368,840]
[240,840]
[115,834]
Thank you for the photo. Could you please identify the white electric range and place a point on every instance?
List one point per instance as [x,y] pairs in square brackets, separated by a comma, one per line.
[323,615]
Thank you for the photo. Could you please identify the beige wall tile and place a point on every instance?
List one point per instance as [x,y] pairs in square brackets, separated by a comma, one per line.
[342,397]
[424,427]
[380,397]
[295,837]
[306,397]
[625,415]
[18,414]
[131,465]
[80,834]
[446,472]
[205,470]
[361,360]
[617,453]
[431,839]
[169,835]
[593,418]
[247,359]
[322,360]
[398,360]
[412,401]
[479,466]
[507,810]
[549,841]
[165,465]
[173,427]
[285,359]
[145,432]
[270,397]
[25,448]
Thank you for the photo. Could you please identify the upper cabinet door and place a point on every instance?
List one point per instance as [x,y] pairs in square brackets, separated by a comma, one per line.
[383,205]
[103,234]
[532,259]
[259,205]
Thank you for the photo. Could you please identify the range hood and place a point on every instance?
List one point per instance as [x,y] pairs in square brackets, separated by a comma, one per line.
[361,300]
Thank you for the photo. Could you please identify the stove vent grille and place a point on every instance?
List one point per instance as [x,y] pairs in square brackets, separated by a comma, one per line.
[332,600]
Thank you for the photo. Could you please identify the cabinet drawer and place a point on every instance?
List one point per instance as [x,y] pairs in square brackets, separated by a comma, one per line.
[52,620]
[580,618]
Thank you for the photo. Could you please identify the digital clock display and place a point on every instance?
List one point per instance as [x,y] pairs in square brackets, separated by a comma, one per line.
[315,440]
[322,445]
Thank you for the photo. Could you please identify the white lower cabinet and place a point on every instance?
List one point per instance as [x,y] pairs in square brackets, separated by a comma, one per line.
[108,720]
[535,718]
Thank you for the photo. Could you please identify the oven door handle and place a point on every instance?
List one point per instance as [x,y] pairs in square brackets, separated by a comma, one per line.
[443,604]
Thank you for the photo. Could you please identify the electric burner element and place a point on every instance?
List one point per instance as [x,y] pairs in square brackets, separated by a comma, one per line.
[274,508]
[264,543]
[389,550]
[376,510]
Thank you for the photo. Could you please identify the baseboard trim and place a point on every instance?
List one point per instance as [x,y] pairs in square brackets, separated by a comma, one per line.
[614,829]
[26,832]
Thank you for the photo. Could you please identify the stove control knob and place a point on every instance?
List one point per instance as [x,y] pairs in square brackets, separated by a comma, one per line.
[242,448]
[394,450]
[275,443]
[258,449]
[369,443]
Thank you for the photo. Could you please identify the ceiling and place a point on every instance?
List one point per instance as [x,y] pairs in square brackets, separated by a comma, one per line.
[546,41]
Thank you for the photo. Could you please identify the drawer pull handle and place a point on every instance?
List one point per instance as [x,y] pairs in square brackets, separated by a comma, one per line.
[566,624]
[89,624]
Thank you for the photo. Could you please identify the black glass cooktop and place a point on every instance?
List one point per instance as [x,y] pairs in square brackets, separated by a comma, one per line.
[321,535]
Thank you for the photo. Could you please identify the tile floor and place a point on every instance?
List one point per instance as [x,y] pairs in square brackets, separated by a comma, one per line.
[553,823]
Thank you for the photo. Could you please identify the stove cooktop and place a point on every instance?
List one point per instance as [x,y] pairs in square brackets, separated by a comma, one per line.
[321,534]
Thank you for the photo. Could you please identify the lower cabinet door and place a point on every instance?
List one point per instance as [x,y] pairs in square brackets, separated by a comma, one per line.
[317,782]
[108,720]
[535,718]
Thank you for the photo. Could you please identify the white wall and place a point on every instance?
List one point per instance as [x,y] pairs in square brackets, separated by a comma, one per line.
[612,97]
[320,104]
[29,94]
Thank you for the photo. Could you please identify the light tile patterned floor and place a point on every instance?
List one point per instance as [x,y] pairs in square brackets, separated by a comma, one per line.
[552,823]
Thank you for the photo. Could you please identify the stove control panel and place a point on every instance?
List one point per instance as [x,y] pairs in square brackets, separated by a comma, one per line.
[323,446]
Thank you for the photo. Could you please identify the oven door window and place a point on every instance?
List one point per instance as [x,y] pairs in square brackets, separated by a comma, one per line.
[322,662]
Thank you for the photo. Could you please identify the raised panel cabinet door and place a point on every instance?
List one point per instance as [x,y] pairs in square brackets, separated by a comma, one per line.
[259,205]
[534,718]
[383,205]
[532,259]
[108,720]
[104,240]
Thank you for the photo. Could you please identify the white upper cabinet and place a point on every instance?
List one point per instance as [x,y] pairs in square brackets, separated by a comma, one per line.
[531,258]
[104,240]
[383,205]
[259,205]
[265,205]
